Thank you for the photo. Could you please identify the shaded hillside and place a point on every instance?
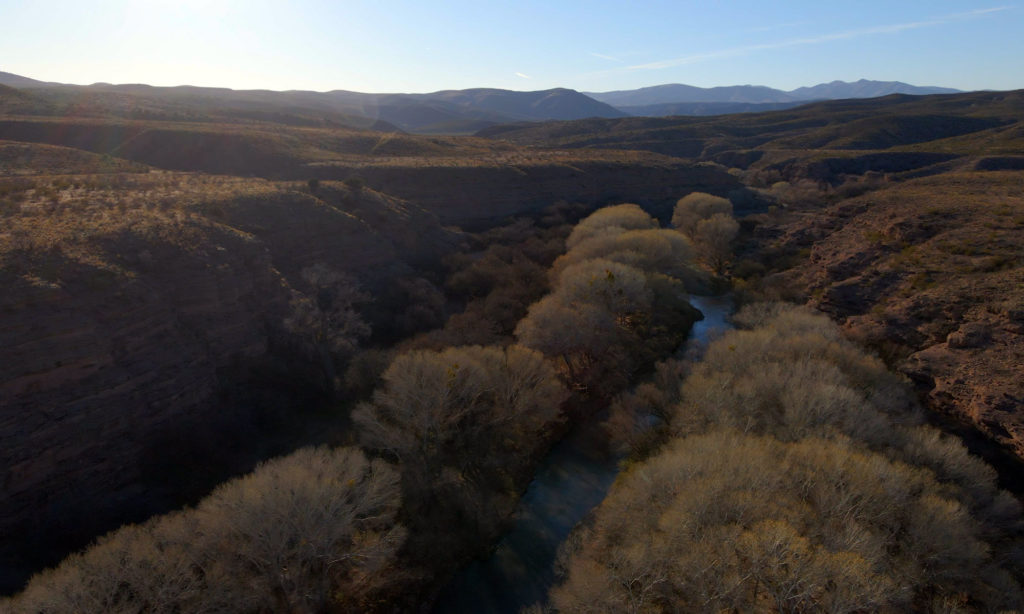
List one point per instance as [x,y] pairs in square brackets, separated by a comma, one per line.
[13,80]
[706,108]
[145,349]
[200,104]
[28,159]
[459,109]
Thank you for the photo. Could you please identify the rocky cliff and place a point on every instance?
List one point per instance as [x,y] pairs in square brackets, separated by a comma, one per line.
[930,272]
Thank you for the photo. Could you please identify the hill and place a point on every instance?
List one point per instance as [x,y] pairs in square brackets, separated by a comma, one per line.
[145,319]
[13,80]
[15,101]
[447,112]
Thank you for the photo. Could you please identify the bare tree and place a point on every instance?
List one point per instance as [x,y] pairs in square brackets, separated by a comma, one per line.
[326,317]
[714,237]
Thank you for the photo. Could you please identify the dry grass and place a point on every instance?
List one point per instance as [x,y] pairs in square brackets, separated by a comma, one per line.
[76,214]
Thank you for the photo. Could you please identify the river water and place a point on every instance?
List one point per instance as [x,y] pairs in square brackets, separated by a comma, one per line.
[572,480]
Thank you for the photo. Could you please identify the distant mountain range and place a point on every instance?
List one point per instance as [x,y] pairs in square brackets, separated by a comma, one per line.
[759,94]
[443,112]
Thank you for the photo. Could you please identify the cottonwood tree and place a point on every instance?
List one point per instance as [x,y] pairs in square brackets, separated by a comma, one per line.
[714,236]
[652,250]
[150,567]
[586,338]
[431,405]
[707,220]
[793,375]
[610,220]
[617,288]
[308,532]
[697,206]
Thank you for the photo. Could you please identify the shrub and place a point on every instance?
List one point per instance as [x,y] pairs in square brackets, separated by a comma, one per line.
[355,184]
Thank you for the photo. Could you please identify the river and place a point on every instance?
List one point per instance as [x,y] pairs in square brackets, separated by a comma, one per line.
[572,480]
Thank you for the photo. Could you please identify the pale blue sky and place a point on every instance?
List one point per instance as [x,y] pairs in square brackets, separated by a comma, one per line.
[399,46]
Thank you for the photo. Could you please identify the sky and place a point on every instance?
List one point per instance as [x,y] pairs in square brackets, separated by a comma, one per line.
[595,45]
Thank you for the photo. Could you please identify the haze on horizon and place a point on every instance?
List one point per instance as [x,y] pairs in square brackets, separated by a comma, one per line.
[399,46]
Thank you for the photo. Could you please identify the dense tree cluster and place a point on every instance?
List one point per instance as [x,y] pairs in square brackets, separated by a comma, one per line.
[302,533]
[618,299]
[797,479]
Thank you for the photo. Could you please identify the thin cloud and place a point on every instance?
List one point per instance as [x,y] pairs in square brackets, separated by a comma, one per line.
[815,40]
[605,57]
[778,26]
[522,76]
